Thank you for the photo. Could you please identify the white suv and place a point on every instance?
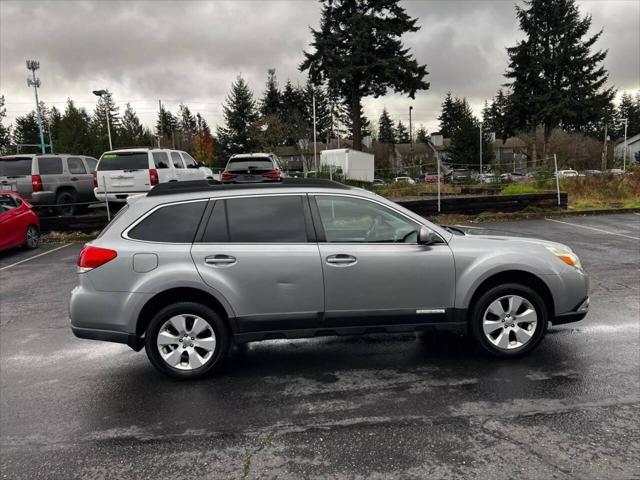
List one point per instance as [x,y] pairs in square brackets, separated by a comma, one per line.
[130,171]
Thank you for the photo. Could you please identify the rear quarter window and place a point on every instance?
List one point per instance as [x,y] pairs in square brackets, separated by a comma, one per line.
[50,166]
[160,160]
[124,161]
[176,223]
[15,166]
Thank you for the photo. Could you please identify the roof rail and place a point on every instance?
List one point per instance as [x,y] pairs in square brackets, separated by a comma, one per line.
[215,186]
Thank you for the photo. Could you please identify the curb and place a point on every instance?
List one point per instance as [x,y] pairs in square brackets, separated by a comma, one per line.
[507,217]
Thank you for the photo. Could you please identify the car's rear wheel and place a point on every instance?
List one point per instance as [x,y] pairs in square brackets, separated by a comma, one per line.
[509,320]
[32,238]
[65,201]
[186,340]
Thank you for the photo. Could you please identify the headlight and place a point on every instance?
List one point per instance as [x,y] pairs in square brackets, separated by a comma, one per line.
[566,255]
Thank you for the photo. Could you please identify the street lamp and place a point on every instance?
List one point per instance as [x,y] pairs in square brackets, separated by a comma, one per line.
[34,82]
[102,94]
[624,153]
[411,137]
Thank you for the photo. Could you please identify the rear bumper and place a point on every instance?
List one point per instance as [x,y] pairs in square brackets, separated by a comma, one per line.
[120,197]
[129,339]
[42,198]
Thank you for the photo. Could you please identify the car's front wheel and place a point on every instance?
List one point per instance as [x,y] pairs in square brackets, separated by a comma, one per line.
[186,340]
[509,320]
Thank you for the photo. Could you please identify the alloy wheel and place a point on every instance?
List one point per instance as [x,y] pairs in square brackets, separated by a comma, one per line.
[33,237]
[510,322]
[186,342]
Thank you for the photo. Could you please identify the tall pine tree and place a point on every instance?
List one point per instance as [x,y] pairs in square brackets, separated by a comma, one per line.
[358,52]
[271,103]
[239,134]
[76,133]
[132,132]
[5,131]
[26,131]
[402,134]
[556,80]
[386,130]
[106,104]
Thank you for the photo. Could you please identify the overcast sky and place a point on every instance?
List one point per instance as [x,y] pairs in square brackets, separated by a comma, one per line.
[191,51]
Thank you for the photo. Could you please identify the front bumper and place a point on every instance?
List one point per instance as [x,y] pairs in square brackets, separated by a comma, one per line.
[574,316]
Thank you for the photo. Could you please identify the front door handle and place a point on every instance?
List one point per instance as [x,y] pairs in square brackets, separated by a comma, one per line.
[220,260]
[74,179]
[341,260]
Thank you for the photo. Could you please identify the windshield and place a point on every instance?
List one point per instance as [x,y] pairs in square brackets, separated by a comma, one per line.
[15,166]
[124,161]
[263,163]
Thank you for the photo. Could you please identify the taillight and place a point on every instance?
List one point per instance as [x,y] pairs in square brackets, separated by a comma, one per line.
[227,176]
[153,176]
[95,179]
[272,174]
[36,182]
[92,257]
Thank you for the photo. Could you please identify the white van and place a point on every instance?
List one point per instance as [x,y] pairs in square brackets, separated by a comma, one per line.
[130,171]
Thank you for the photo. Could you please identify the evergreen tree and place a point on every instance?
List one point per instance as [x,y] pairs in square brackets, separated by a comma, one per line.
[452,111]
[5,131]
[494,116]
[293,116]
[323,113]
[204,142]
[26,131]
[338,114]
[99,122]
[629,108]
[422,136]
[240,115]
[402,134]
[386,130]
[166,126]
[271,103]
[555,79]
[132,132]
[358,52]
[464,150]
[187,128]
[75,135]
[52,132]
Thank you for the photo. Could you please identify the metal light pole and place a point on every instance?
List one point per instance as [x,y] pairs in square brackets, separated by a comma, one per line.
[101,94]
[34,82]
[315,157]
[411,135]
[480,151]
[624,153]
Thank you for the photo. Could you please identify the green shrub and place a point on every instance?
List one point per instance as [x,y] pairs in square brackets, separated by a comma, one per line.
[519,189]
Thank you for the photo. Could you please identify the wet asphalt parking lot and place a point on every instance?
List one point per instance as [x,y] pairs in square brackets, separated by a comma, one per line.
[407,406]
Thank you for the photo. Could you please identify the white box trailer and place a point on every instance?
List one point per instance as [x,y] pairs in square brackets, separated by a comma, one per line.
[355,165]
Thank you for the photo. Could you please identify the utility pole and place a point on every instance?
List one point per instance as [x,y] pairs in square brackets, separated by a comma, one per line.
[411,136]
[34,82]
[604,148]
[481,150]
[624,153]
[102,94]
[160,133]
[315,156]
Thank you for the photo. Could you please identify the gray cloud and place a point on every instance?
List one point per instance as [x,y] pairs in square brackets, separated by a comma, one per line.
[192,51]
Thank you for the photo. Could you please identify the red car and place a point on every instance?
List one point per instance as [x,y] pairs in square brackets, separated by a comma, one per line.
[430,177]
[19,225]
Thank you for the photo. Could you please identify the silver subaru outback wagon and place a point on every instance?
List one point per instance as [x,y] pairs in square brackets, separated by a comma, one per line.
[189,269]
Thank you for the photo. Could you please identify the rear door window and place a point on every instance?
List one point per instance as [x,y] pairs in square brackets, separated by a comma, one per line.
[276,219]
[176,223]
[75,165]
[50,166]
[177,160]
[189,161]
[15,166]
[124,161]
[160,160]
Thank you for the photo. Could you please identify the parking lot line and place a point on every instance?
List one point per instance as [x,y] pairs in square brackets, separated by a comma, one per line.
[35,256]
[593,228]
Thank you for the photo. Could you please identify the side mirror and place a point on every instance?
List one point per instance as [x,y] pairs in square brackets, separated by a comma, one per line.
[426,236]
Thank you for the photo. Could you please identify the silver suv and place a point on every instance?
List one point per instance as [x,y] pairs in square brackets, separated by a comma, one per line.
[191,268]
[49,179]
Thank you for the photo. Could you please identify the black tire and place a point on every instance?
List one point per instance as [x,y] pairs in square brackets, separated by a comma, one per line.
[214,320]
[63,199]
[31,238]
[495,293]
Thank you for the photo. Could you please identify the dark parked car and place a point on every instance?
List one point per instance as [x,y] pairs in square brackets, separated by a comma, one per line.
[460,175]
[19,225]
[50,179]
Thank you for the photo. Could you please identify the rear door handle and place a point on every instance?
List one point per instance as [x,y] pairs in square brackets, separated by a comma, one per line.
[341,260]
[220,260]
[74,179]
